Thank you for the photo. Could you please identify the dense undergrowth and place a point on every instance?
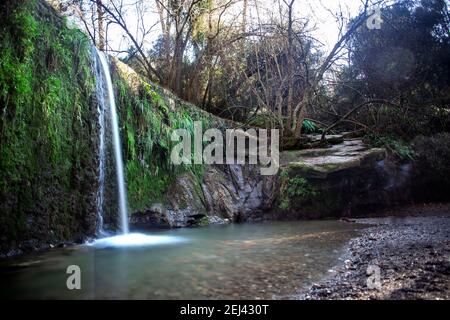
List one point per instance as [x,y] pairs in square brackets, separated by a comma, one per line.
[400,148]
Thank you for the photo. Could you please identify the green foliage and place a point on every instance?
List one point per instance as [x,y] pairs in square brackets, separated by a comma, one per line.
[309,126]
[46,89]
[202,222]
[145,186]
[146,145]
[294,189]
[284,204]
[148,123]
[299,187]
[398,147]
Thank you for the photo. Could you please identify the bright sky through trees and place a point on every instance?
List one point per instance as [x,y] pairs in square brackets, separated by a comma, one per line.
[320,12]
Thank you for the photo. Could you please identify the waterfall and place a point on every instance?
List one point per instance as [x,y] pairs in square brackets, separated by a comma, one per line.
[101,149]
[105,95]
[107,118]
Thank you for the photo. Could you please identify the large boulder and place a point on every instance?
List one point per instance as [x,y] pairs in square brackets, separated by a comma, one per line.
[237,192]
[342,180]
[225,193]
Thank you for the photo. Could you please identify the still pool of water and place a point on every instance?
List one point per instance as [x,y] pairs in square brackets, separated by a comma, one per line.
[240,261]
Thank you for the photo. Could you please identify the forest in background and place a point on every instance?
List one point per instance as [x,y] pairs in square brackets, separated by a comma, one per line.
[259,62]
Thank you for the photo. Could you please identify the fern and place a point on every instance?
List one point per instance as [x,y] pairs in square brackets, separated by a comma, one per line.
[309,126]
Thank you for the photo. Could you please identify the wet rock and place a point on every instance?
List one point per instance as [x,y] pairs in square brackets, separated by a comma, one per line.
[14,252]
[156,216]
[63,244]
[29,245]
[238,193]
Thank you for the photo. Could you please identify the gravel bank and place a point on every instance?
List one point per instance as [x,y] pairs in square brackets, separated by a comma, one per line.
[412,254]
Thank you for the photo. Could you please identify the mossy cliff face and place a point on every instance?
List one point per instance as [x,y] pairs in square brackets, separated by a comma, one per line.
[50,135]
[48,127]
[148,115]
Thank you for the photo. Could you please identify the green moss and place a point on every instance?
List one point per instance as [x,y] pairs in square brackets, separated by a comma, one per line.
[46,89]
[284,204]
[202,222]
[148,122]
[300,167]
[329,167]
[294,191]
[299,194]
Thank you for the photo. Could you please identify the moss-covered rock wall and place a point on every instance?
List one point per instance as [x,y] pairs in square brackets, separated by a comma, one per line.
[48,127]
[50,133]
[148,115]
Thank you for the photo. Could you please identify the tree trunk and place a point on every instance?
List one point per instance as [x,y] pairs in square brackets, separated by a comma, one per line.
[176,70]
[101,26]
[290,63]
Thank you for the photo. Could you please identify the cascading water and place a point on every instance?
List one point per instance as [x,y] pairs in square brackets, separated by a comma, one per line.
[101,149]
[107,109]
[106,99]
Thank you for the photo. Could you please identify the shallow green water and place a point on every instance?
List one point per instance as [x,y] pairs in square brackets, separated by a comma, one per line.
[264,260]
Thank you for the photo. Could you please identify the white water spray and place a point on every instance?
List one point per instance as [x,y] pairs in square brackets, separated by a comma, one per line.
[106,98]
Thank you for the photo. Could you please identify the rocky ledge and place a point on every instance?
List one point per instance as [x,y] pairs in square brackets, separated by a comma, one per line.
[333,181]
[323,162]
[342,180]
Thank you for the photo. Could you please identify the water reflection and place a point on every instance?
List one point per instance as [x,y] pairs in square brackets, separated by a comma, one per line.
[246,261]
